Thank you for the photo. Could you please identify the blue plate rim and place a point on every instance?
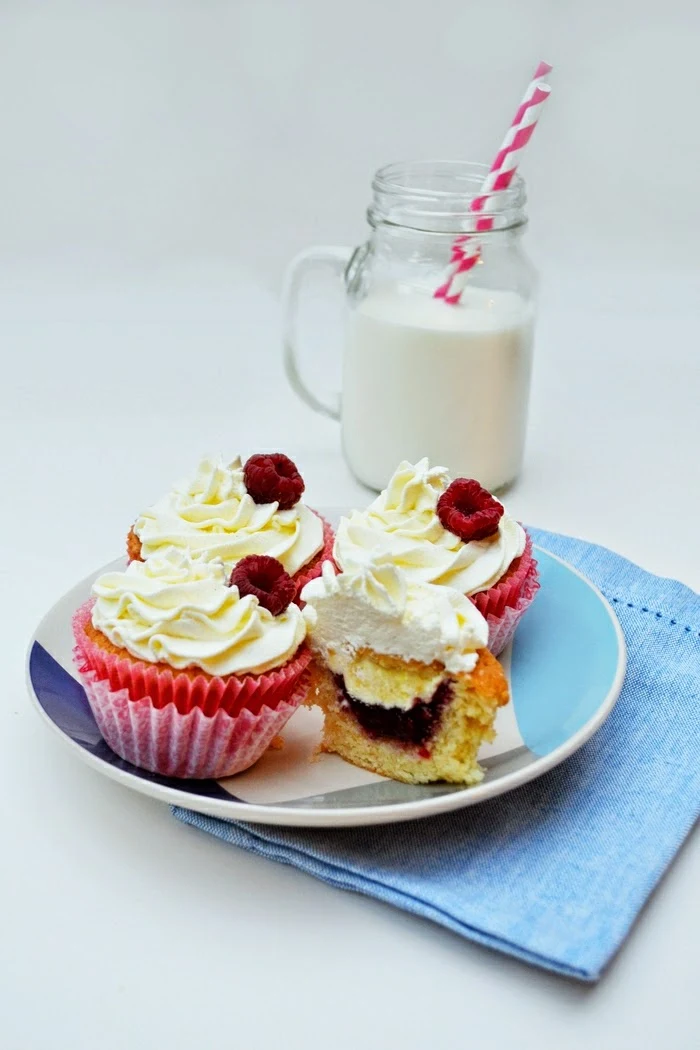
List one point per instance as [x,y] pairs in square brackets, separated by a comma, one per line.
[357,815]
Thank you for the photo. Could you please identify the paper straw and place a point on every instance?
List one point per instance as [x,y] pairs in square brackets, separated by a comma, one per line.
[465,248]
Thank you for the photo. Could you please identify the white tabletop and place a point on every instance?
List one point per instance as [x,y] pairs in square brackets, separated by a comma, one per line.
[121,927]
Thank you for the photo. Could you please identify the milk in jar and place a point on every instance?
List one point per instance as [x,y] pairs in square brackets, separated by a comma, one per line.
[422,376]
[425,378]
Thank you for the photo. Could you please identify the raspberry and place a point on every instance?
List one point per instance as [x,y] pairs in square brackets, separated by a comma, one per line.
[266,579]
[273,478]
[468,510]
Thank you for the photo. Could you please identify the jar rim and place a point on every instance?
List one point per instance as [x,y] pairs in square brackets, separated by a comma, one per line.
[435,196]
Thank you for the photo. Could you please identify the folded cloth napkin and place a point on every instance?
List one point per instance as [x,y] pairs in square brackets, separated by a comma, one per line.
[556,871]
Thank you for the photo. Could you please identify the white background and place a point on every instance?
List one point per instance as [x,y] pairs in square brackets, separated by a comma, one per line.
[160,162]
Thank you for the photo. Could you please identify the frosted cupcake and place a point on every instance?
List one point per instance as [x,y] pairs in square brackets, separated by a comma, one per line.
[454,534]
[402,673]
[189,674]
[229,511]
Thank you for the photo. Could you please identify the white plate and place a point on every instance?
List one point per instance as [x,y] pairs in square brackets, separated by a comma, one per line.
[565,667]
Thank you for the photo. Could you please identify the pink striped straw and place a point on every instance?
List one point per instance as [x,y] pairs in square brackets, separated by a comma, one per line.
[465,248]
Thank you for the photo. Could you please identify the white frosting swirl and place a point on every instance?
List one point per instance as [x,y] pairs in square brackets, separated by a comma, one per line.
[178,610]
[212,515]
[379,607]
[403,524]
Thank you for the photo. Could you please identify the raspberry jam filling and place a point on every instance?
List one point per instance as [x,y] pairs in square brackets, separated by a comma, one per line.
[413,727]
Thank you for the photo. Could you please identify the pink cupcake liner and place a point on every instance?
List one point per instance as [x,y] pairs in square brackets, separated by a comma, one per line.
[180,725]
[161,685]
[313,569]
[504,604]
[192,745]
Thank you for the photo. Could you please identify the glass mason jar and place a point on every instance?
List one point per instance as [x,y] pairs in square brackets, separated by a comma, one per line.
[422,377]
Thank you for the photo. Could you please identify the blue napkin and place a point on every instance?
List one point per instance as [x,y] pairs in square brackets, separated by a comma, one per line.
[554,872]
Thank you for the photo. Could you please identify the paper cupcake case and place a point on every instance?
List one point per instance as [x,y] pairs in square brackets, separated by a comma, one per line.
[182,724]
[504,604]
[194,745]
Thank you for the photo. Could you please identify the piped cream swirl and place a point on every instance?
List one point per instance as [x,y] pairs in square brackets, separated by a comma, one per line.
[211,515]
[403,525]
[179,610]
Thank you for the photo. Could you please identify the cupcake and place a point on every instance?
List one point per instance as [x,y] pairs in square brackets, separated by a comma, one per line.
[401,670]
[451,533]
[188,673]
[229,511]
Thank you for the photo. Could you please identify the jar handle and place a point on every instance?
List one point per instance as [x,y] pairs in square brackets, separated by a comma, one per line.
[304,263]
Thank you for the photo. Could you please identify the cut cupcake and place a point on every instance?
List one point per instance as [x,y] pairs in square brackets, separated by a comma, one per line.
[229,511]
[188,673]
[450,533]
[401,670]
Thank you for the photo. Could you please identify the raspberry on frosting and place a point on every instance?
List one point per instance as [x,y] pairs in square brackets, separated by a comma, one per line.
[468,510]
[273,478]
[266,579]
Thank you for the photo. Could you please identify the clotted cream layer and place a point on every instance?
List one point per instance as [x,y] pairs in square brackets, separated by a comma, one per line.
[379,608]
